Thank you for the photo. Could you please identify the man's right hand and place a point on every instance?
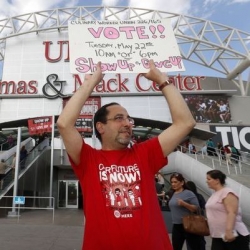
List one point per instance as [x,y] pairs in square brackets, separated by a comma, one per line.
[155,74]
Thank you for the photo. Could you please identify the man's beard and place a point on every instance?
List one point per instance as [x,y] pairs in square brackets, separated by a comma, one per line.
[124,141]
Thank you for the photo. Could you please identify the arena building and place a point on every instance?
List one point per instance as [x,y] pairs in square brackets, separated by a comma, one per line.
[36,84]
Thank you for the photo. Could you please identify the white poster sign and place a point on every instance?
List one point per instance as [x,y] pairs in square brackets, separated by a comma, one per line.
[123,46]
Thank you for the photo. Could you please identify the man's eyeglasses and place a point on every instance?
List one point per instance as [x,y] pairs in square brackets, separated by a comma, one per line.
[121,118]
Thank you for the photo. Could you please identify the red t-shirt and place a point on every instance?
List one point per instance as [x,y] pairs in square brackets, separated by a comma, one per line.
[119,198]
[227,150]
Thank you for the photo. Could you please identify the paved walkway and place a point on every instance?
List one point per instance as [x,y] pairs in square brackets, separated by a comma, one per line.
[35,230]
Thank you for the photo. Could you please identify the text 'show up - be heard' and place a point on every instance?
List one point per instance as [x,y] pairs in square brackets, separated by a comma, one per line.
[123,46]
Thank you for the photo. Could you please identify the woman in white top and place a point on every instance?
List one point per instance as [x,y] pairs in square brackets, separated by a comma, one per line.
[227,230]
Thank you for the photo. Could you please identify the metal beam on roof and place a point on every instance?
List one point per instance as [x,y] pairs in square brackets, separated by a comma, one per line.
[146,128]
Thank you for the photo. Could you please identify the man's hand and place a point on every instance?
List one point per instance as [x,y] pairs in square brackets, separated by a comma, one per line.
[97,76]
[155,74]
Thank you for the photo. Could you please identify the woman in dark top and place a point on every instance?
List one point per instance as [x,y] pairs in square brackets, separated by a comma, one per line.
[202,202]
[191,186]
[182,202]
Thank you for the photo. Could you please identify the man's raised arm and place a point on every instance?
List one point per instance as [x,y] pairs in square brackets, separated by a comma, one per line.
[183,121]
[66,121]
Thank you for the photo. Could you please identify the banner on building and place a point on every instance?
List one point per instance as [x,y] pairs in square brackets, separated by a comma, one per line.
[84,122]
[237,136]
[209,108]
[40,125]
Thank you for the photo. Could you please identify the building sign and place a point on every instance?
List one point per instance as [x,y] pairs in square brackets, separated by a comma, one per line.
[42,68]
[238,136]
[40,125]
[123,46]
[84,122]
[19,200]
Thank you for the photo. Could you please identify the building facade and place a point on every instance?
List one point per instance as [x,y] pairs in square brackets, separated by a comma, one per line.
[37,82]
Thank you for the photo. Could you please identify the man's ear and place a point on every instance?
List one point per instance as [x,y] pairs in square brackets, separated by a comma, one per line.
[99,127]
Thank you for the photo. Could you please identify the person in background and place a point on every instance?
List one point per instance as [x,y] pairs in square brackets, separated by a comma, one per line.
[204,149]
[191,148]
[159,192]
[221,150]
[130,226]
[182,202]
[192,187]
[10,140]
[228,154]
[226,227]
[202,202]
[23,155]
[223,111]
[3,167]
[235,154]
[160,179]
[41,137]
[211,148]
[13,165]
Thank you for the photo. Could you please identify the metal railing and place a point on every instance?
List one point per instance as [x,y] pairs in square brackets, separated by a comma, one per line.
[241,163]
[2,146]
[38,203]
[24,165]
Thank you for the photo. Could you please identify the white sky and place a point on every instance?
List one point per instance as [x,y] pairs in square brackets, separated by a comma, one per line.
[234,13]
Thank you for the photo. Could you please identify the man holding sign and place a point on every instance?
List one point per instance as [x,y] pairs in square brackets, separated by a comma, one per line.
[120,205]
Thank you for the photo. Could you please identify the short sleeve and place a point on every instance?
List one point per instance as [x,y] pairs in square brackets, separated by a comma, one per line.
[225,192]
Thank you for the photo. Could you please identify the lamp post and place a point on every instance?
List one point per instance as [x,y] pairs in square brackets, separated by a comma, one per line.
[13,212]
[52,161]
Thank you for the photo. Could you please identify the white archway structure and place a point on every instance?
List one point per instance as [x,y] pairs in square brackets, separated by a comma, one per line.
[213,45]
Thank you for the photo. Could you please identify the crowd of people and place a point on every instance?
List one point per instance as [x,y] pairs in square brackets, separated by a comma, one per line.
[228,152]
